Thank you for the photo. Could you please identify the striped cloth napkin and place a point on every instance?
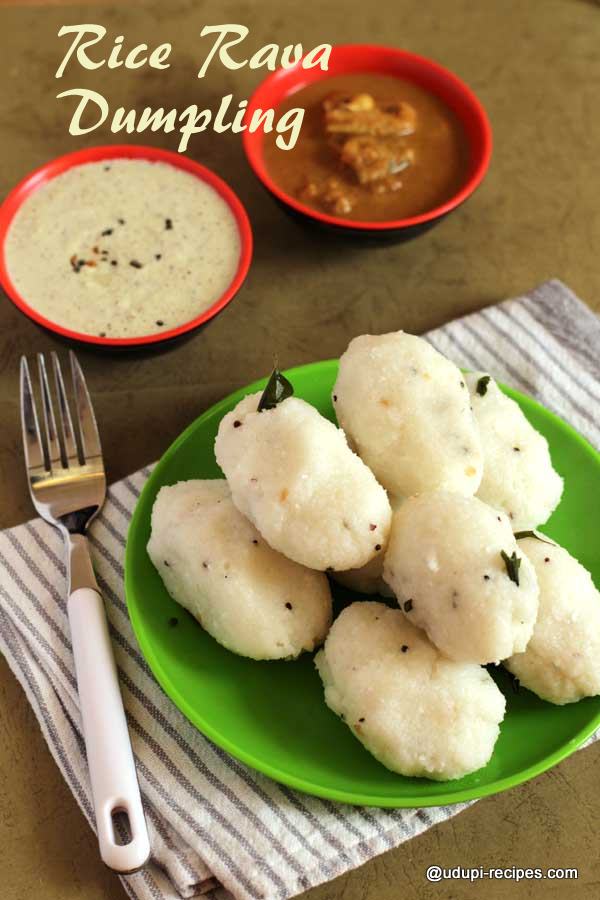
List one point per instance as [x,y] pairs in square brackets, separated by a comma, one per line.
[217,827]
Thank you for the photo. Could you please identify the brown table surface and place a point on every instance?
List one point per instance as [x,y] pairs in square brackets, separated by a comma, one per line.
[536,66]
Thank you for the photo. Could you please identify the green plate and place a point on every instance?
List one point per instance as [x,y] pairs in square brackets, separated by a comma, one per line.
[271,715]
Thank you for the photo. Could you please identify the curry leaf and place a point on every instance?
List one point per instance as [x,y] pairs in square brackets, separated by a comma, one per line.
[519,535]
[482,385]
[512,563]
[278,389]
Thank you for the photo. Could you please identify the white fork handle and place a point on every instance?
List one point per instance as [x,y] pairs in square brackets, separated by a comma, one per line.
[110,759]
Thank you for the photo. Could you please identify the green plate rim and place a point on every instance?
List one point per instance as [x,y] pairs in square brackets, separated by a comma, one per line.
[282,777]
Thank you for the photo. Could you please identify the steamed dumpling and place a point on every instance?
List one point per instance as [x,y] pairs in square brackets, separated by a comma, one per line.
[417,712]
[406,411]
[213,562]
[293,475]
[518,477]
[446,567]
[562,660]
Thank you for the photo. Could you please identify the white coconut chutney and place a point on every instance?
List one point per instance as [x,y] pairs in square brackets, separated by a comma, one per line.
[123,248]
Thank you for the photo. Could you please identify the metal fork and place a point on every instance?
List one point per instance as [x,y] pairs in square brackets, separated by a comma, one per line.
[68,486]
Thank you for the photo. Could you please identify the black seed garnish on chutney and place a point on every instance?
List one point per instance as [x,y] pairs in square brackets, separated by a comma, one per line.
[546,559]
[135,263]
[362,719]
[237,424]
[166,564]
[168,224]
[517,449]
[113,262]
[288,606]
[408,606]
[158,256]
[404,648]
[121,221]
[378,547]
[254,541]
[486,577]
[335,398]
[482,385]
[106,232]
[205,565]
[512,563]
[159,322]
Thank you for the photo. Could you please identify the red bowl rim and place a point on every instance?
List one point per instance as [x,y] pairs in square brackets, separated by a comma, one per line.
[484,148]
[60,164]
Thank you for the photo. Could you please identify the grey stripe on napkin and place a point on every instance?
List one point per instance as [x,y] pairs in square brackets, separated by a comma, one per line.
[217,827]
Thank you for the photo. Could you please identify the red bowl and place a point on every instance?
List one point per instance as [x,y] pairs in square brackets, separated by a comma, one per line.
[386,61]
[61,164]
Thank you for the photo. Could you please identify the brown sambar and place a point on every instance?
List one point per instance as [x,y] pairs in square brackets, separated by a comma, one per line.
[441,150]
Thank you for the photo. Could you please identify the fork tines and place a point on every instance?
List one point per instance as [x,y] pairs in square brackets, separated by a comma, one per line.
[65,447]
